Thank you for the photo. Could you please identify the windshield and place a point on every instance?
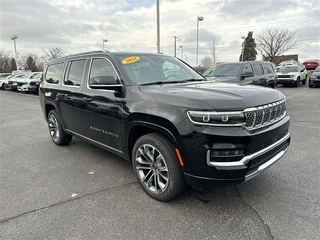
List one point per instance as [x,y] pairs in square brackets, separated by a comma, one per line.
[288,69]
[222,70]
[317,69]
[148,69]
[36,76]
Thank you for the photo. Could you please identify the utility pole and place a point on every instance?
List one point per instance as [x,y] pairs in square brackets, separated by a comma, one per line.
[175,46]
[158,28]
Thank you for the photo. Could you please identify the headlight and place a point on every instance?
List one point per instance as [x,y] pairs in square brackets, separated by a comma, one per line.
[292,76]
[217,118]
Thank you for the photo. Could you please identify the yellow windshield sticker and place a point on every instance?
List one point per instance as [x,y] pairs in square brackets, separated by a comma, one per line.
[283,67]
[129,60]
[213,66]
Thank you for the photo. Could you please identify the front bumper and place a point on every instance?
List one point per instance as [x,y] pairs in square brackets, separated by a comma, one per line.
[207,166]
[314,82]
[286,81]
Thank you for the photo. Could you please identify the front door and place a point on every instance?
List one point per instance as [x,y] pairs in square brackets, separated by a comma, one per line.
[102,108]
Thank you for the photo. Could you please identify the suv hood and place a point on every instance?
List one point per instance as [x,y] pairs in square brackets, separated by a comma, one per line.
[289,73]
[216,95]
[224,79]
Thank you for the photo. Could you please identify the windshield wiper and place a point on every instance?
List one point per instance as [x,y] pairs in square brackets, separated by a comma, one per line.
[161,83]
[196,80]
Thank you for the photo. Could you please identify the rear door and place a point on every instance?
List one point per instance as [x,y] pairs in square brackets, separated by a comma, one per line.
[70,96]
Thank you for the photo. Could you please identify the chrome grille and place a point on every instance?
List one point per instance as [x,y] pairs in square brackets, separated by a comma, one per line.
[264,115]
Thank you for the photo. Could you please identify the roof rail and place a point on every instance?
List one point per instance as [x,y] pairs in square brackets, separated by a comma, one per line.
[83,53]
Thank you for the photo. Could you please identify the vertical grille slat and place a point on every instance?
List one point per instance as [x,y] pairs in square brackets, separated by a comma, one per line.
[264,115]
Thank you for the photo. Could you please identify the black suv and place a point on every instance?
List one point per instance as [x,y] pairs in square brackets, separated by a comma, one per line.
[176,127]
[260,73]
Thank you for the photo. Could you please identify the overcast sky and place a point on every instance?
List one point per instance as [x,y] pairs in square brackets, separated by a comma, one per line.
[131,25]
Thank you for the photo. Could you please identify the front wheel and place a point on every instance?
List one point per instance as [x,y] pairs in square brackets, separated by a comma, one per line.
[297,82]
[157,168]
[58,135]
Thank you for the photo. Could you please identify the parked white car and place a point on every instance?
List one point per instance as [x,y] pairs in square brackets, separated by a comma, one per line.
[292,75]
[23,83]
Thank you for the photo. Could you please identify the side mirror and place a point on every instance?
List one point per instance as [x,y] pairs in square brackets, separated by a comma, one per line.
[247,74]
[105,82]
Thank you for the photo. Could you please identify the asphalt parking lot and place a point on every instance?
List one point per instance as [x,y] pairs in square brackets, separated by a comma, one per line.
[83,192]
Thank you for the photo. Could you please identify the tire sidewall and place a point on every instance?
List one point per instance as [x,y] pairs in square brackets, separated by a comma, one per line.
[63,139]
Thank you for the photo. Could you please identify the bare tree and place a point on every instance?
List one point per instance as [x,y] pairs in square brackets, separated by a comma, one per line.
[23,60]
[213,51]
[206,61]
[274,41]
[4,59]
[51,54]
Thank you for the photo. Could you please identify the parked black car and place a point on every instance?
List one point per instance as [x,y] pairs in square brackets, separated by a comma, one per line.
[34,84]
[314,80]
[260,73]
[200,70]
[186,130]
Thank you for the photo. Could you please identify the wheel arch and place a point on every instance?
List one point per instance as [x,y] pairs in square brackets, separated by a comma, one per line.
[139,128]
[48,107]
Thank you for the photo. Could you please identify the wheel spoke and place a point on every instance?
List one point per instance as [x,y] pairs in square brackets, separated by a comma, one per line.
[160,183]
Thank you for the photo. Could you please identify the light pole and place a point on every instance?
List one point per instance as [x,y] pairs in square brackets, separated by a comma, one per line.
[242,37]
[186,58]
[14,37]
[175,46]
[103,41]
[199,18]
[158,28]
[181,51]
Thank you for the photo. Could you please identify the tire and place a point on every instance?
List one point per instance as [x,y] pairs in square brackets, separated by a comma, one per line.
[58,135]
[296,84]
[157,168]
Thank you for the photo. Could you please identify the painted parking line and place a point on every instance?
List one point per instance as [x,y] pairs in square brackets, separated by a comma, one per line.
[288,97]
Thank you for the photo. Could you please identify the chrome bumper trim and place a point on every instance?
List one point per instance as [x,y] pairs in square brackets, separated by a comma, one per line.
[245,160]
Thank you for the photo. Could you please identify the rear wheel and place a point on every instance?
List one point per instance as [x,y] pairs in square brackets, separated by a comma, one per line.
[58,135]
[157,168]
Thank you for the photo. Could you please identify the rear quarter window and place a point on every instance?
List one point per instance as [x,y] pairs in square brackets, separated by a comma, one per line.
[53,73]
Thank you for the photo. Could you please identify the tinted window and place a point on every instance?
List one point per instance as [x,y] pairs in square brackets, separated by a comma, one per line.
[267,68]
[74,72]
[257,69]
[221,70]
[53,73]
[247,69]
[101,68]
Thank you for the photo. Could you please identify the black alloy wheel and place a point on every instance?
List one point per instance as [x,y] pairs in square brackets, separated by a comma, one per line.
[58,135]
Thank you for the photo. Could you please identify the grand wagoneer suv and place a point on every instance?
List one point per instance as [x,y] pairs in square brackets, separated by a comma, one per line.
[177,129]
